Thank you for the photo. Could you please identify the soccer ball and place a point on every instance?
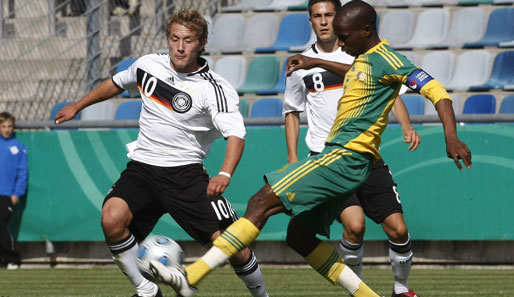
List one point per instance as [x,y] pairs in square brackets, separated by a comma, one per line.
[160,248]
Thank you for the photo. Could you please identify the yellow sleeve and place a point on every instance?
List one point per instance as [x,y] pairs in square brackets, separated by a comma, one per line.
[434,91]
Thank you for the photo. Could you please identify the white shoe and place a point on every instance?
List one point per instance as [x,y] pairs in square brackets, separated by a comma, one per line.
[173,276]
[12,266]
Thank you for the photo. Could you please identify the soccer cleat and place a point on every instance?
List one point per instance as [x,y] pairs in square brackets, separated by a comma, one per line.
[411,293]
[173,276]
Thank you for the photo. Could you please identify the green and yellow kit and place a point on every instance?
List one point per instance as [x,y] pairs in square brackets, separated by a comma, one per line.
[315,187]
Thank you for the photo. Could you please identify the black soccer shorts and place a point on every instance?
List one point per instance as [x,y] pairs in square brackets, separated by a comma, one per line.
[151,191]
[378,196]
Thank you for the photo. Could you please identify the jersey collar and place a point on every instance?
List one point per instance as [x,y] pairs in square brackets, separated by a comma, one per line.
[204,67]
[373,49]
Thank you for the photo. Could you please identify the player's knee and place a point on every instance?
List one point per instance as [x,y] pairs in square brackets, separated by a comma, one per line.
[113,222]
[398,233]
[354,232]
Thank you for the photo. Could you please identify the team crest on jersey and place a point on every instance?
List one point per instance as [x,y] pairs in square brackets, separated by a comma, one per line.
[14,150]
[181,102]
[361,76]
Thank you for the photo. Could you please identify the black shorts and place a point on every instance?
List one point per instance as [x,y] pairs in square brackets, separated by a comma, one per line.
[378,196]
[151,191]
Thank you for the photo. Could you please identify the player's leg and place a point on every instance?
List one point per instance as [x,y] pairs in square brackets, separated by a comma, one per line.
[5,236]
[204,217]
[351,242]
[117,217]
[246,267]
[381,203]
[324,259]
[400,253]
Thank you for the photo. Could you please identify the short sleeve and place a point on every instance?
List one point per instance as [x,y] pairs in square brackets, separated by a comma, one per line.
[222,102]
[294,95]
[127,79]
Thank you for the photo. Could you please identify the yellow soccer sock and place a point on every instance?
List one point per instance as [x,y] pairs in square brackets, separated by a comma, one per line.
[326,261]
[233,240]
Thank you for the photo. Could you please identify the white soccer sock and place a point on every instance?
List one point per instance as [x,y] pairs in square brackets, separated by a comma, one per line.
[124,254]
[401,261]
[352,254]
[251,275]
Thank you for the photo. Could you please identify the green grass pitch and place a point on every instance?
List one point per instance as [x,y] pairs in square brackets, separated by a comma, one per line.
[280,281]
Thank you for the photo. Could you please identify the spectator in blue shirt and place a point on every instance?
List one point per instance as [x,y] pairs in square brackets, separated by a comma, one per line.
[13,184]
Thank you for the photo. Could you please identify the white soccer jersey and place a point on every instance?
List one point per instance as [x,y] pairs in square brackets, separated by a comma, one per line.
[182,113]
[317,91]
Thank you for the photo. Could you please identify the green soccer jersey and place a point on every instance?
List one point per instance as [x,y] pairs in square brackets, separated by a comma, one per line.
[370,88]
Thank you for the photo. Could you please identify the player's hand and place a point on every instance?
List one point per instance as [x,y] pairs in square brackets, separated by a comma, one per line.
[14,200]
[297,62]
[411,136]
[66,113]
[458,150]
[217,185]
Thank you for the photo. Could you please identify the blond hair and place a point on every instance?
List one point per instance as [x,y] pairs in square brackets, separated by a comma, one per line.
[193,20]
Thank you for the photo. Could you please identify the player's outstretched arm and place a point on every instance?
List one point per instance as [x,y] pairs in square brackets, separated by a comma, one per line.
[292,131]
[107,89]
[219,183]
[303,62]
[455,148]
[402,115]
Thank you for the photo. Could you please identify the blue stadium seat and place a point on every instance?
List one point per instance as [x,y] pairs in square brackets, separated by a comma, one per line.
[507,105]
[294,30]
[502,74]
[280,87]
[58,106]
[129,110]
[415,104]
[499,28]
[480,103]
[123,65]
[266,107]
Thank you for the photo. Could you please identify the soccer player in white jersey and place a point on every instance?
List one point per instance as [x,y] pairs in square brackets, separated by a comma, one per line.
[185,107]
[317,92]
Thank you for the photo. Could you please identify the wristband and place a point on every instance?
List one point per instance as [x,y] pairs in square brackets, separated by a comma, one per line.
[225,174]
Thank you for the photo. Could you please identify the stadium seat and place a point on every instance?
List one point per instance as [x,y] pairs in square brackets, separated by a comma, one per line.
[415,104]
[472,69]
[397,26]
[233,69]
[301,48]
[103,111]
[468,25]
[479,104]
[280,86]
[261,31]
[439,64]
[500,28]
[244,107]
[414,57]
[502,73]
[507,44]
[475,2]
[246,5]
[507,105]
[228,31]
[398,3]
[129,110]
[432,27]
[58,106]
[280,4]
[123,65]
[302,6]
[262,74]
[295,30]
[456,104]
[502,1]
[266,107]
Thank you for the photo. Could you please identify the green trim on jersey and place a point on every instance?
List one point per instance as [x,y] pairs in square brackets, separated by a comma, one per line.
[370,88]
